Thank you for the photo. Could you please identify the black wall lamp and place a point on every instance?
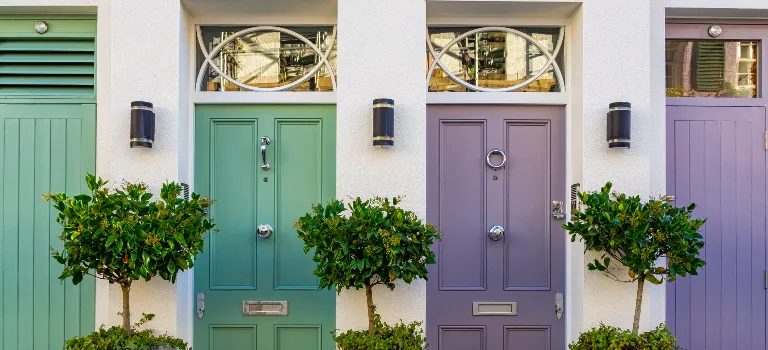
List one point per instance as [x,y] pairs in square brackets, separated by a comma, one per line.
[619,124]
[142,124]
[383,122]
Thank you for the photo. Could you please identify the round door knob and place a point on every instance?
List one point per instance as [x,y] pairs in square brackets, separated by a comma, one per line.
[264,231]
[496,233]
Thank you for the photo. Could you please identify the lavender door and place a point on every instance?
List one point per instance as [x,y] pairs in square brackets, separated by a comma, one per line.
[717,159]
[491,290]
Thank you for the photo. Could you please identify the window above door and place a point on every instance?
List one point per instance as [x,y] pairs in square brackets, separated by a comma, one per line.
[266,58]
[495,59]
[712,68]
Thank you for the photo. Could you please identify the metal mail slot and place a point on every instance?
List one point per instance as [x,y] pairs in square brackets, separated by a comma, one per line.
[493,308]
[265,308]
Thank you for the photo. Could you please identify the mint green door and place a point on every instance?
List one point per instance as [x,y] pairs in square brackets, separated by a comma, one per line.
[237,265]
[44,148]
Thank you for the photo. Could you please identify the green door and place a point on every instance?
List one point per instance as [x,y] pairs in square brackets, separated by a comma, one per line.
[44,148]
[238,268]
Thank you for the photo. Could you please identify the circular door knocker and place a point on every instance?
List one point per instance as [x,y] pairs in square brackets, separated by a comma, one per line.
[503,159]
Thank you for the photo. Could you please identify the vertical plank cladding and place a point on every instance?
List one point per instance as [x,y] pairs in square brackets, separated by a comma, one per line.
[45,148]
[719,162]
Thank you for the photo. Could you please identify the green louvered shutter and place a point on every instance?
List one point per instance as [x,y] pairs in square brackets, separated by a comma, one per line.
[710,65]
[58,64]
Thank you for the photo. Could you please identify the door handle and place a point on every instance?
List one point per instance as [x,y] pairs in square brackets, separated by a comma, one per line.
[264,231]
[496,233]
[265,141]
[499,165]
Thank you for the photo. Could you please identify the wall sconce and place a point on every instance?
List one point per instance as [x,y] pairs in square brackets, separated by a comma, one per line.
[142,124]
[619,124]
[383,122]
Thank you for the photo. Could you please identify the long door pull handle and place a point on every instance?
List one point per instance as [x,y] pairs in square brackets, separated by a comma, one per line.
[265,141]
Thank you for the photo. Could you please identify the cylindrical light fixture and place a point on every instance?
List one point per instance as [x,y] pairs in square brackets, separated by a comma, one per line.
[619,124]
[383,122]
[142,124]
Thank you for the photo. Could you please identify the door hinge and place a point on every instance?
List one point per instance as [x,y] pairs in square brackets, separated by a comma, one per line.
[766,140]
[559,305]
[766,279]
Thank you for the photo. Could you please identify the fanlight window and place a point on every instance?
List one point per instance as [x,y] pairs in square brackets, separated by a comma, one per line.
[495,59]
[266,58]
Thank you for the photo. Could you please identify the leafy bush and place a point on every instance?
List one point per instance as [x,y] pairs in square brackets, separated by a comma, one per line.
[117,338]
[637,235]
[376,243]
[612,338]
[384,337]
[121,236]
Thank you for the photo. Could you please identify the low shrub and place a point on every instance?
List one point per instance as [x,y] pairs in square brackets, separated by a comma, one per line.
[612,338]
[117,338]
[384,337]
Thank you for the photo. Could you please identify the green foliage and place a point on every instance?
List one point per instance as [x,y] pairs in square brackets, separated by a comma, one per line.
[122,235]
[117,338]
[384,337]
[638,234]
[376,239]
[612,338]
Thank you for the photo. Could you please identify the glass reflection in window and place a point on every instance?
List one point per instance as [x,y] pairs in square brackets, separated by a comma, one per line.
[710,68]
[495,59]
[267,59]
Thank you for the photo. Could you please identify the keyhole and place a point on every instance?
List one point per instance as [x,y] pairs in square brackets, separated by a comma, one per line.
[495,177]
[266,179]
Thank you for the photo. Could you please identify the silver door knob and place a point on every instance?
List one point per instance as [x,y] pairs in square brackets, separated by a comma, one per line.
[496,233]
[264,231]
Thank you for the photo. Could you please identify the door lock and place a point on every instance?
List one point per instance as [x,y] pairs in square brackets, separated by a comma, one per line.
[559,305]
[200,305]
[557,210]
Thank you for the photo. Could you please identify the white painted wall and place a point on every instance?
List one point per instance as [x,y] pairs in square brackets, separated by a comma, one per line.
[381,53]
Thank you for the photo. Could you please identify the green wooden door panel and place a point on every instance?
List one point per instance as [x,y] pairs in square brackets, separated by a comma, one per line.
[292,338]
[236,265]
[233,337]
[45,148]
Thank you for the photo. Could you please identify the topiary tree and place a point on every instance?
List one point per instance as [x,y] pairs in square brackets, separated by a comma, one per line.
[122,235]
[377,243]
[637,235]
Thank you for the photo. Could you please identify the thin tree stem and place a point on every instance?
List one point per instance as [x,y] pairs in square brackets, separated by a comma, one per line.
[369,300]
[638,303]
[126,308]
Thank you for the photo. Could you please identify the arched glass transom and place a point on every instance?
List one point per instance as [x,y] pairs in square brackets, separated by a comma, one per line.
[495,59]
[266,58]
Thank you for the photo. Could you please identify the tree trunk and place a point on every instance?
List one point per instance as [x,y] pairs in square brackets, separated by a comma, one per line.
[638,303]
[369,300]
[126,308]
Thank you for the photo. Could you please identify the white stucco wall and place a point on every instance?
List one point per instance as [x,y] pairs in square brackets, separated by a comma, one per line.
[617,67]
[381,54]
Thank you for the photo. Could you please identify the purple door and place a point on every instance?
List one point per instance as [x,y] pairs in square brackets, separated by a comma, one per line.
[496,290]
[716,158]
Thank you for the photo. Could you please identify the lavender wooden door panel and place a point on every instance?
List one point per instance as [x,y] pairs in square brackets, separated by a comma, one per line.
[716,158]
[465,197]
